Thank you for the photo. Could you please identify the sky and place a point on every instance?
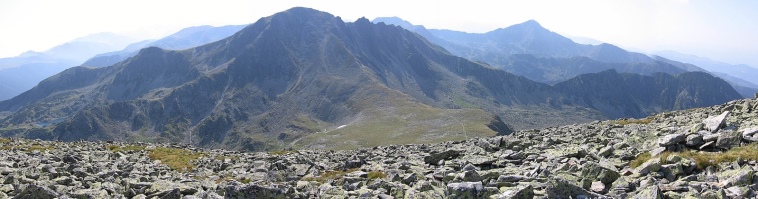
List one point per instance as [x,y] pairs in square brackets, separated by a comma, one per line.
[726,31]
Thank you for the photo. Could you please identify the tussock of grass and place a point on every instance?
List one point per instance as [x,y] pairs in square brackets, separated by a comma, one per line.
[4,140]
[331,175]
[177,159]
[642,158]
[705,159]
[634,121]
[376,175]
[116,148]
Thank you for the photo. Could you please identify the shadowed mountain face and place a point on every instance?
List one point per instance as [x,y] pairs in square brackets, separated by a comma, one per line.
[620,95]
[300,78]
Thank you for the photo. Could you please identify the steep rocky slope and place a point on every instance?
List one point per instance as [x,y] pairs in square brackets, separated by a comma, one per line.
[696,153]
[619,95]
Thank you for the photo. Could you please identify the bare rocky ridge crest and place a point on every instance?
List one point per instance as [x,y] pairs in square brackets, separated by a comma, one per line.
[575,161]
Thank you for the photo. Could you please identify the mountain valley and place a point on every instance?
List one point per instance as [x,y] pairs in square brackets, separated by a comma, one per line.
[305,79]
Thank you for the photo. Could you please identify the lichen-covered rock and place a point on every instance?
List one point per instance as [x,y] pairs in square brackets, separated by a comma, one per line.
[465,190]
[671,139]
[597,172]
[651,192]
[255,191]
[728,139]
[37,192]
[518,192]
[651,165]
[739,177]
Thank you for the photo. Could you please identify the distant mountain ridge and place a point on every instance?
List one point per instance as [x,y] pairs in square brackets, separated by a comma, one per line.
[501,48]
[20,73]
[303,77]
[185,38]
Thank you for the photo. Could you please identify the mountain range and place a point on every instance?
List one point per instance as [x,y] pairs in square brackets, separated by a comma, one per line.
[555,58]
[185,38]
[306,78]
[20,73]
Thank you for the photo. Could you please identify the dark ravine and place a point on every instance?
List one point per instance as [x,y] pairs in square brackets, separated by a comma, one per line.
[591,160]
[304,78]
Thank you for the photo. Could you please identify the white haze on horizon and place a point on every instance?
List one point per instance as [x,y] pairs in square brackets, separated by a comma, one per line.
[720,30]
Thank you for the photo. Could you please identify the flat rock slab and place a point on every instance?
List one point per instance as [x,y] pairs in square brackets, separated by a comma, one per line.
[715,123]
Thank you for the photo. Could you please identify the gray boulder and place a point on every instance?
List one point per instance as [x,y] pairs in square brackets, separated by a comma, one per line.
[596,172]
[715,123]
[749,134]
[465,190]
[671,139]
[651,192]
[518,192]
[37,192]
[729,139]
[693,140]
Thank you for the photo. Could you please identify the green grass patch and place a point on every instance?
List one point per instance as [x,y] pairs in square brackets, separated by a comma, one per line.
[116,148]
[642,158]
[376,175]
[705,159]
[177,159]
[634,121]
[331,175]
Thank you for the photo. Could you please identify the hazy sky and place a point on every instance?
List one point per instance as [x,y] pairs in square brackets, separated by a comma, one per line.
[721,30]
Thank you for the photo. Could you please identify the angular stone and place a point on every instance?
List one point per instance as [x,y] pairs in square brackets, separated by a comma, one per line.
[518,192]
[90,193]
[749,134]
[37,192]
[708,136]
[254,191]
[651,165]
[434,158]
[671,139]
[651,192]
[597,187]
[657,151]
[410,179]
[562,188]
[605,151]
[672,171]
[740,177]
[596,172]
[707,144]
[510,178]
[465,190]
[471,176]
[737,191]
[715,123]
[697,127]
[729,139]
[693,140]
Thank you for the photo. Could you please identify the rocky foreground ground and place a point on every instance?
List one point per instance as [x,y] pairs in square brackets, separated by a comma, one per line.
[697,153]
